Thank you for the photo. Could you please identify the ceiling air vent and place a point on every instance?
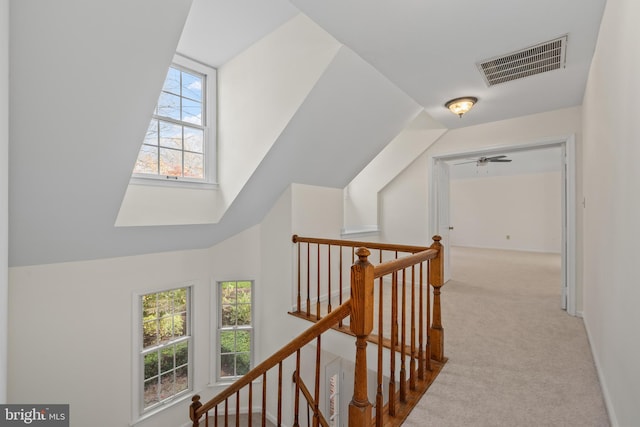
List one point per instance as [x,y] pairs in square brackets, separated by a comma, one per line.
[543,57]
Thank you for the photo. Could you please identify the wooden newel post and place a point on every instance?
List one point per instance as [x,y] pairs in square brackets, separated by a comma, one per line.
[436,278]
[193,408]
[360,408]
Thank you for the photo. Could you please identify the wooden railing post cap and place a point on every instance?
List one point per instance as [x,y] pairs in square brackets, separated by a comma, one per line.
[437,238]
[193,408]
[363,253]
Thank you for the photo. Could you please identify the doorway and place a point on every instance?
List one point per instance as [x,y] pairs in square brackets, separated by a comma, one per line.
[439,206]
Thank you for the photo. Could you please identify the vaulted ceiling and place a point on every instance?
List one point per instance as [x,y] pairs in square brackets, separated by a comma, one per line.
[85,77]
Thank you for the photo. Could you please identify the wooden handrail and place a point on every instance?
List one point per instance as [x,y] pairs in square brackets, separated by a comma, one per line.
[404,262]
[199,409]
[359,244]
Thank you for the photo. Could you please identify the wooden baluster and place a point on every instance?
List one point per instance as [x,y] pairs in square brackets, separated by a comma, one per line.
[403,345]
[412,356]
[379,392]
[393,344]
[329,279]
[421,328]
[226,412]
[238,408]
[361,326]
[299,299]
[318,290]
[296,405]
[427,350]
[215,417]
[436,279]
[341,284]
[279,394]
[250,404]
[316,397]
[308,279]
[264,399]
[193,408]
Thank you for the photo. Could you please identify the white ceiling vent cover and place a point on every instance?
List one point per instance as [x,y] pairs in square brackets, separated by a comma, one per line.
[543,57]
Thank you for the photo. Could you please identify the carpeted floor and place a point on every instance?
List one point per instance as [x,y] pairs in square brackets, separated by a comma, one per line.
[515,358]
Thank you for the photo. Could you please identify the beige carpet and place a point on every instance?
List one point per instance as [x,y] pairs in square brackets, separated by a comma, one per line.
[515,358]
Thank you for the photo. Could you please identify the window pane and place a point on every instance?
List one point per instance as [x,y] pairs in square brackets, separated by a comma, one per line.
[149,308]
[150,365]
[151,392]
[170,162]
[228,292]
[170,135]
[180,300]
[179,325]
[151,138]
[243,341]
[172,82]
[243,313]
[167,385]
[166,328]
[166,359]
[193,139]
[193,165]
[182,354]
[242,363]
[147,160]
[169,106]
[165,303]
[182,379]
[227,342]
[244,303]
[191,86]
[150,333]
[227,362]
[191,111]
[228,315]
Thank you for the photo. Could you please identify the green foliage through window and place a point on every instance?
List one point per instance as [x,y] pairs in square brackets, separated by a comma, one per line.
[235,328]
[166,344]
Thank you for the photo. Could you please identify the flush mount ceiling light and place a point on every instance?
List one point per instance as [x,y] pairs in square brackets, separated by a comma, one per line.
[460,106]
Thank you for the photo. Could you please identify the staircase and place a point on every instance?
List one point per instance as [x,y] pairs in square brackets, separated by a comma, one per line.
[394,304]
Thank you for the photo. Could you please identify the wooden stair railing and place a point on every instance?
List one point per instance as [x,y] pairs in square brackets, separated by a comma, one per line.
[411,318]
[197,409]
[421,342]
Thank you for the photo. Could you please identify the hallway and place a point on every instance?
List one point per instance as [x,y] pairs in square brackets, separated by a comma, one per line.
[515,358]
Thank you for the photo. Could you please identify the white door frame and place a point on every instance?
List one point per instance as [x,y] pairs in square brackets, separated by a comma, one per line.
[567,145]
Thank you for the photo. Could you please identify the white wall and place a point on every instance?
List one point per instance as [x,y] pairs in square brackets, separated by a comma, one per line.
[403,206]
[361,195]
[4,191]
[71,326]
[611,227]
[527,208]
[259,92]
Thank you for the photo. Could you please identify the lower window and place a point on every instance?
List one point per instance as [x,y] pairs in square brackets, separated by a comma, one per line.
[235,329]
[165,350]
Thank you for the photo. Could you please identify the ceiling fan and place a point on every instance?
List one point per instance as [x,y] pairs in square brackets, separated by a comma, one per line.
[483,161]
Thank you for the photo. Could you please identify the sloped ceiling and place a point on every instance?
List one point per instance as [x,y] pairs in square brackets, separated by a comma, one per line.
[85,76]
[430,49]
